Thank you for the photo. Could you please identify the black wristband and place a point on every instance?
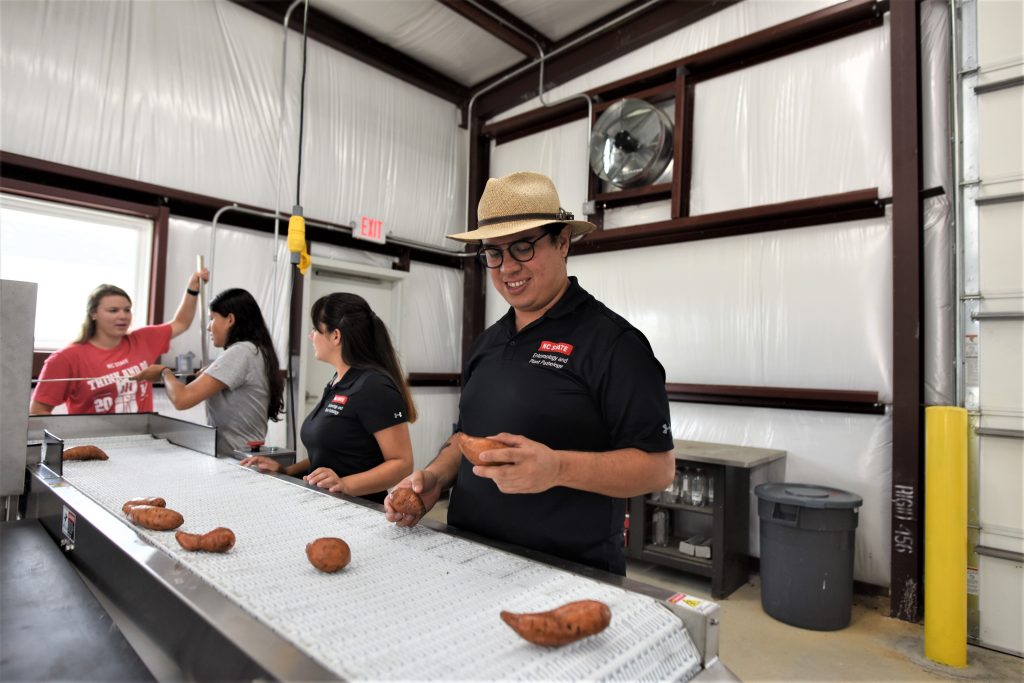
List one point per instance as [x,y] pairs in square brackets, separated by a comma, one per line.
[193,292]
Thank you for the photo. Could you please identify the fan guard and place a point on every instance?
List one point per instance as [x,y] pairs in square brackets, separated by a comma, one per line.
[631,144]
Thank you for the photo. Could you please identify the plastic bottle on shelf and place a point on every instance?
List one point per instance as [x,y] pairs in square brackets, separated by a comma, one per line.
[697,486]
[711,490]
[684,488]
[660,522]
[669,494]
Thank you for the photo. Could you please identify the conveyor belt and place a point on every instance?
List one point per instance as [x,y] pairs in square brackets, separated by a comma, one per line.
[413,603]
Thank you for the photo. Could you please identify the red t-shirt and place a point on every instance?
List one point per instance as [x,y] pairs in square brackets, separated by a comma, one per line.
[113,392]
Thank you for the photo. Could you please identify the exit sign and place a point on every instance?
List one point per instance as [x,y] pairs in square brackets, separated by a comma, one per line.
[370,229]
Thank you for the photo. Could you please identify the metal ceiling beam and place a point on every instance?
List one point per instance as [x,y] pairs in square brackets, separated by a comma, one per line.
[660,20]
[500,23]
[335,34]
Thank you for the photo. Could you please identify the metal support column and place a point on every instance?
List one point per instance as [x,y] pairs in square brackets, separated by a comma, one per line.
[908,398]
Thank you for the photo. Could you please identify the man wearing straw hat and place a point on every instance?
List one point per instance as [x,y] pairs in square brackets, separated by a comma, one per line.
[571,389]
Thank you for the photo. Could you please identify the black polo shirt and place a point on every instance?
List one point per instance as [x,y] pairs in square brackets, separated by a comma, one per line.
[579,378]
[339,433]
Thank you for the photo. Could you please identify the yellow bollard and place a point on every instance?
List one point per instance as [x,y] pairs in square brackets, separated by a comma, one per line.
[945,536]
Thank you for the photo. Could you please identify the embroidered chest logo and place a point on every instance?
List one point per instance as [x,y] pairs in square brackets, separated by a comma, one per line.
[552,354]
[336,405]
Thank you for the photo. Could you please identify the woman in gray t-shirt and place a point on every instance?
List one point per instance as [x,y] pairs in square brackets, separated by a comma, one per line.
[243,387]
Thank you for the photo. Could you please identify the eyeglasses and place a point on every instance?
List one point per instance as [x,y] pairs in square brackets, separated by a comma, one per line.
[520,250]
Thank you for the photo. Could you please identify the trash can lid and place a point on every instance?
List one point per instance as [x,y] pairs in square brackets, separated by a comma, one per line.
[808,495]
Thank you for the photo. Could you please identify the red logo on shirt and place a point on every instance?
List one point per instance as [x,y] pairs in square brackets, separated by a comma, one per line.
[340,399]
[556,347]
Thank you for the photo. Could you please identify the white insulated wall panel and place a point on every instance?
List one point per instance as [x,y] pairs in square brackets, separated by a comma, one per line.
[799,308]
[242,258]
[559,153]
[430,330]
[438,410]
[731,22]
[936,165]
[186,95]
[640,214]
[380,147]
[813,123]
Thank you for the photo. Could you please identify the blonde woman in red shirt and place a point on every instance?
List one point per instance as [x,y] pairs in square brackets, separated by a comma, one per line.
[108,354]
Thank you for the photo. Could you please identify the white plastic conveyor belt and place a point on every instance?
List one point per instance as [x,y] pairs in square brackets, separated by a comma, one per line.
[413,603]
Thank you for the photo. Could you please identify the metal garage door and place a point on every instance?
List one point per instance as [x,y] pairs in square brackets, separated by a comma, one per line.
[991,90]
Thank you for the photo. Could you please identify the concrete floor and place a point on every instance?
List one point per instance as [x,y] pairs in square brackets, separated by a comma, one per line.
[873,647]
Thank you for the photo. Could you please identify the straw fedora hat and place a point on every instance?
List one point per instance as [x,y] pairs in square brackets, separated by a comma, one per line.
[516,203]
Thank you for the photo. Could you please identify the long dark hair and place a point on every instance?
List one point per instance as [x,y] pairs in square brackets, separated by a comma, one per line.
[89,326]
[249,326]
[365,342]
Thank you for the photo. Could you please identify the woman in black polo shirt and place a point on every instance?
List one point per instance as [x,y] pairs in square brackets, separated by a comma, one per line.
[357,437]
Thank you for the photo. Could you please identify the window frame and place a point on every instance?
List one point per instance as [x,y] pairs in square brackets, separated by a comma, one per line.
[159,215]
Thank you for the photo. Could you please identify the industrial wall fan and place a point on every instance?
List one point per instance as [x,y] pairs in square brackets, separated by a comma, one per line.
[631,143]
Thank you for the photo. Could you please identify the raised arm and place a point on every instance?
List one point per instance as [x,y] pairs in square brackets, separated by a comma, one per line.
[187,308]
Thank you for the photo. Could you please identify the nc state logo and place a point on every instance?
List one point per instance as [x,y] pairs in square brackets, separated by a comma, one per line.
[556,347]
[342,400]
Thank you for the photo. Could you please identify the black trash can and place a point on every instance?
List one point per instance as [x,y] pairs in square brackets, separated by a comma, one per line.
[807,536]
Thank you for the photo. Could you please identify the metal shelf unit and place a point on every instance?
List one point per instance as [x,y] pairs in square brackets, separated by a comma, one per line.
[725,521]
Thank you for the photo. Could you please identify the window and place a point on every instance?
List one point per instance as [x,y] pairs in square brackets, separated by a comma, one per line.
[68,251]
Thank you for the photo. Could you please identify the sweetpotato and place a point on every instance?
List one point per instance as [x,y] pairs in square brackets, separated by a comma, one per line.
[328,554]
[155,518]
[473,446]
[85,453]
[155,502]
[407,502]
[220,540]
[567,624]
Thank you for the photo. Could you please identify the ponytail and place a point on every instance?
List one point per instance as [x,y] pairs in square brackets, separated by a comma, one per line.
[389,361]
[367,344]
